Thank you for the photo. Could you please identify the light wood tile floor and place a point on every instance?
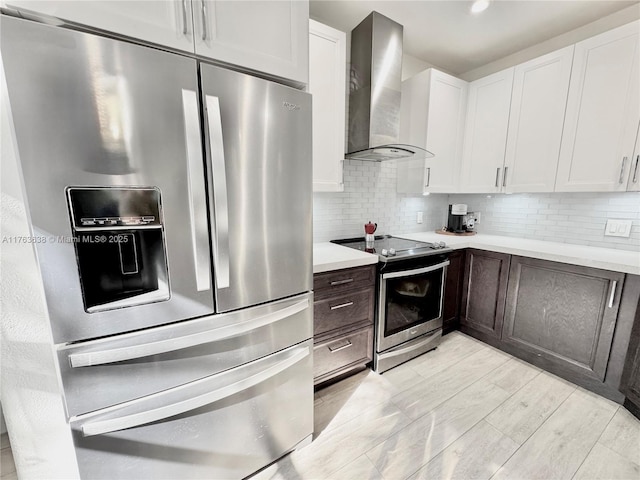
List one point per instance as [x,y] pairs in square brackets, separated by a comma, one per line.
[464,411]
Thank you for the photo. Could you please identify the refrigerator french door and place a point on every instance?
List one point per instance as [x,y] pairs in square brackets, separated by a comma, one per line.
[174,203]
[258,150]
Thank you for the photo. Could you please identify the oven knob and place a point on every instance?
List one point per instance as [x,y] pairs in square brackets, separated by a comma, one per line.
[384,252]
[392,252]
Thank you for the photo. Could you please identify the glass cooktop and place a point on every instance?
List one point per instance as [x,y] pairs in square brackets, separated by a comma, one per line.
[390,248]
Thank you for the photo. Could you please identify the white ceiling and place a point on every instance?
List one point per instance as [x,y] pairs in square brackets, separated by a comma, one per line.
[445,34]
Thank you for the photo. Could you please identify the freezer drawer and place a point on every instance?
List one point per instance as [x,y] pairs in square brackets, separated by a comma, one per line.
[226,425]
[117,369]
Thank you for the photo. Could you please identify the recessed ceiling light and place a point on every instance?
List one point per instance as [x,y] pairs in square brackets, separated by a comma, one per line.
[479,6]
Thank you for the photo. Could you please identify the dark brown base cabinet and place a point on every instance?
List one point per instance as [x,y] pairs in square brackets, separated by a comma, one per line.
[570,320]
[484,290]
[453,292]
[343,311]
[631,376]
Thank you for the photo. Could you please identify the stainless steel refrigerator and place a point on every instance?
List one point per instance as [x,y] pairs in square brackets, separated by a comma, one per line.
[169,204]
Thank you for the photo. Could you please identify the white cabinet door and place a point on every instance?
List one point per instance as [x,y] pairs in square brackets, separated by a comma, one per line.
[327,85]
[602,113]
[486,133]
[164,22]
[538,103]
[269,36]
[432,116]
[633,184]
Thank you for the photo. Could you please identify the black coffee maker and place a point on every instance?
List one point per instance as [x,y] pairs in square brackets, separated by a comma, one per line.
[456,221]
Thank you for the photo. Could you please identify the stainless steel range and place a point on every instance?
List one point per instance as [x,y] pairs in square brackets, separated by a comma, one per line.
[411,279]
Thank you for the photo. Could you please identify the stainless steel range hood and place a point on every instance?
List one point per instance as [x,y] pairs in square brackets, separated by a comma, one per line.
[374,92]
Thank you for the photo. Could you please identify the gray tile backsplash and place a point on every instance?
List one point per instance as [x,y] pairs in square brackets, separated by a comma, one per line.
[576,218]
[370,195]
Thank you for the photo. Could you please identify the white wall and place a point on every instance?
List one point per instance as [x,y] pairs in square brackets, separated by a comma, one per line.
[576,218]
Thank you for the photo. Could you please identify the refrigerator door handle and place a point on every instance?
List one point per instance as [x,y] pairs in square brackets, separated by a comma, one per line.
[120,354]
[197,193]
[149,411]
[220,200]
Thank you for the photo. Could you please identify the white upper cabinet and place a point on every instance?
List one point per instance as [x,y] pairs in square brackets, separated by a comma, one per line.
[270,37]
[432,116]
[165,22]
[486,133]
[603,111]
[633,185]
[327,85]
[538,103]
[265,36]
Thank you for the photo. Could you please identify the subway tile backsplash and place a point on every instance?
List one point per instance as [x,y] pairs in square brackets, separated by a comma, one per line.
[370,195]
[576,218]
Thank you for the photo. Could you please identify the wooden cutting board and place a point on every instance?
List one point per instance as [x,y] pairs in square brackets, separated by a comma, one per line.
[465,234]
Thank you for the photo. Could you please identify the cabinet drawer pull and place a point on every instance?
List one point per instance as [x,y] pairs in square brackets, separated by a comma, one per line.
[635,170]
[504,177]
[341,347]
[341,282]
[342,305]
[498,177]
[624,162]
[614,284]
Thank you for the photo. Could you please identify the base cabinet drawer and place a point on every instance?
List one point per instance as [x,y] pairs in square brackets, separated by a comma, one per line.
[338,355]
[342,310]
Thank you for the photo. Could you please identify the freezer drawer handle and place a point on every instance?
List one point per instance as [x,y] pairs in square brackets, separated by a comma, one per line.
[101,427]
[88,359]
[220,200]
[197,193]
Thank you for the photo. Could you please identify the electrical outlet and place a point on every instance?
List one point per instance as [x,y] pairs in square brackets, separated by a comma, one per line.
[419,217]
[618,228]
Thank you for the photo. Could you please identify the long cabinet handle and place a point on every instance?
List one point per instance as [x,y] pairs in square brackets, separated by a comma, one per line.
[498,177]
[417,271]
[504,177]
[635,170]
[341,347]
[341,282]
[120,354]
[624,162]
[220,200]
[612,295]
[184,17]
[203,9]
[342,305]
[197,193]
[428,176]
[186,400]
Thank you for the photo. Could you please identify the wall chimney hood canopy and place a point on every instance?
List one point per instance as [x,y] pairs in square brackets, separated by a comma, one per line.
[374,92]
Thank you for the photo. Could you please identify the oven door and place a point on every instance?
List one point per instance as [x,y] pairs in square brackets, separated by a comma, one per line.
[410,304]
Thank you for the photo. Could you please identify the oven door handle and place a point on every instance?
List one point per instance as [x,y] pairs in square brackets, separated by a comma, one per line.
[417,271]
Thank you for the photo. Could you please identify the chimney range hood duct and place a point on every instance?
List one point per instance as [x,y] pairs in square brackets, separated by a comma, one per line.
[374,92]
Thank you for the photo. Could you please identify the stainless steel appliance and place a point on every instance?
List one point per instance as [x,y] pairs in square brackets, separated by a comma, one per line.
[411,279]
[456,221]
[174,200]
[374,92]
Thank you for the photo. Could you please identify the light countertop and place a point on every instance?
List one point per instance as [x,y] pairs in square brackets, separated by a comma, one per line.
[329,256]
[605,258]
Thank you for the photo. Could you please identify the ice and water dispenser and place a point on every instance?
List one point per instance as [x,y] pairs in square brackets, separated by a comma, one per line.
[119,240]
